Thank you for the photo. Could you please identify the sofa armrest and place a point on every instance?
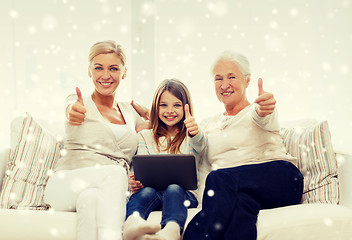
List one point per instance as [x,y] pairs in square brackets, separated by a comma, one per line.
[345,178]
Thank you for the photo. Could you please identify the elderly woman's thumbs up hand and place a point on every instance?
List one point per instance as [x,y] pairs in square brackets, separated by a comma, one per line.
[265,101]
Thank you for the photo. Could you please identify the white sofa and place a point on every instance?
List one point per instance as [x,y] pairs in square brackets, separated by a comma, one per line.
[299,222]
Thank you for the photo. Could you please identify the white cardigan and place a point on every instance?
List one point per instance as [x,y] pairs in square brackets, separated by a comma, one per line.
[244,139]
[94,143]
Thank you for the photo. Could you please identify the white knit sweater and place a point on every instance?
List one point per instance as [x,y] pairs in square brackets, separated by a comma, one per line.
[93,143]
[244,139]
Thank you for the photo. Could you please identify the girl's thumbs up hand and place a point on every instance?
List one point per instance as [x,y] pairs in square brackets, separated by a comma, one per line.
[190,122]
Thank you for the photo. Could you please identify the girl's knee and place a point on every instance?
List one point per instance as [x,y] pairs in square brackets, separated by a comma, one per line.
[174,189]
[146,193]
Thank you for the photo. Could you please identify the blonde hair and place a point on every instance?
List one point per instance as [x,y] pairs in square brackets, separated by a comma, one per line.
[159,128]
[105,47]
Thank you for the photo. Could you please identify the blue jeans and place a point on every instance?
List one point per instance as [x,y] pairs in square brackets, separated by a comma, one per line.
[171,202]
[233,198]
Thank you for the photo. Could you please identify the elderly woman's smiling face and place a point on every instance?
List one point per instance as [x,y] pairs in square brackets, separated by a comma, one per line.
[230,83]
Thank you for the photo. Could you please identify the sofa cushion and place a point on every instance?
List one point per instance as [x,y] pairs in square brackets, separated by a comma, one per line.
[4,156]
[37,225]
[303,221]
[52,127]
[316,160]
[29,167]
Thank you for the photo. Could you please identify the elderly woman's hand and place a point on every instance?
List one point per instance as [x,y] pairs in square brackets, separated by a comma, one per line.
[265,101]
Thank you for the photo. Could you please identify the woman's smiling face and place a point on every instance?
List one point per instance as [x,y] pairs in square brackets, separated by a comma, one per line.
[106,71]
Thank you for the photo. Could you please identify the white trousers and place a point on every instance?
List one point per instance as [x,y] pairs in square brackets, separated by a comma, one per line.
[98,194]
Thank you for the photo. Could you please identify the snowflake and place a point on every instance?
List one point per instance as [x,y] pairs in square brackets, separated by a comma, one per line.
[211,193]
[50,172]
[344,69]
[328,222]
[136,214]
[54,231]
[13,14]
[49,22]
[13,196]
[63,152]
[294,12]
[217,226]
[187,203]
[148,9]
[32,29]
[58,137]
[219,8]
[77,185]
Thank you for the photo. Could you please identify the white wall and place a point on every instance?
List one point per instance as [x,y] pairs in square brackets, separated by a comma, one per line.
[302,50]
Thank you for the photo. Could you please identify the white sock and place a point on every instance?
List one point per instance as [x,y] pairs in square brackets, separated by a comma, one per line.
[170,232]
[135,227]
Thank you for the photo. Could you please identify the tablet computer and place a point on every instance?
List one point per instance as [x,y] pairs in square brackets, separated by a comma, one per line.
[161,170]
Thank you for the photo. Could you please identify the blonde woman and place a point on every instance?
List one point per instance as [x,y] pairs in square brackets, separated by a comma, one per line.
[92,176]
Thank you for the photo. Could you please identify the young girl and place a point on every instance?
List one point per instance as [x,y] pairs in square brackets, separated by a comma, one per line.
[173,130]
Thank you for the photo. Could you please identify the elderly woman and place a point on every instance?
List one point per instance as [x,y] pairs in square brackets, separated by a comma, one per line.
[92,177]
[251,168]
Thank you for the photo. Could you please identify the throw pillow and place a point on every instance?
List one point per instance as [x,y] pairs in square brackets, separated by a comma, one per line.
[30,164]
[316,160]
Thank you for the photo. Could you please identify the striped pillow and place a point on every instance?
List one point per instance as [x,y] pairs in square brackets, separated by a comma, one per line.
[29,167]
[316,160]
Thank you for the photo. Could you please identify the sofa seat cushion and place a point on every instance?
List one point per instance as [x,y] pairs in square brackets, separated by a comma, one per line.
[39,225]
[304,221]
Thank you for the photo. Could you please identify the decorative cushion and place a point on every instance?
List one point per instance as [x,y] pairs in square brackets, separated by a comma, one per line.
[4,157]
[53,127]
[316,160]
[30,164]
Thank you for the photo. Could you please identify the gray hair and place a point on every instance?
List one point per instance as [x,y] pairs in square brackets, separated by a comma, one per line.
[240,60]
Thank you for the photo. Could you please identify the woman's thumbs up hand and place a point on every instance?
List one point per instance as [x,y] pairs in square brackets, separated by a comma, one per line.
[77,112]
[265,101]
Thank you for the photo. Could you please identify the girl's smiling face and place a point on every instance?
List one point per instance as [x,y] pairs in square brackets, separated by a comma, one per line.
[171,110]
[106,71]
